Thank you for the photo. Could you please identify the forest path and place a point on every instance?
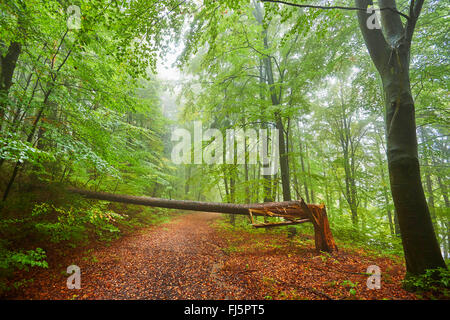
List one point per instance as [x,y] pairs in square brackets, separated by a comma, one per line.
[190,257]
[180,259]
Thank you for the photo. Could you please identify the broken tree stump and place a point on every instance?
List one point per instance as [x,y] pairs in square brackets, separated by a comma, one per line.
[294,212]
[322,233]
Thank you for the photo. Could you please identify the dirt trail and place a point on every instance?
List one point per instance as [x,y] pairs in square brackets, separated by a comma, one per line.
[188,258]
[177,260]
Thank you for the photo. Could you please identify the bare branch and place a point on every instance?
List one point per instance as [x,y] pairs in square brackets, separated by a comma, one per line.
[333,7]
[414,9]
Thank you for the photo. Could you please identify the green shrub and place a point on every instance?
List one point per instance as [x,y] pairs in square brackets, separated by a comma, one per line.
[19,260]
[435,281]
[69,223]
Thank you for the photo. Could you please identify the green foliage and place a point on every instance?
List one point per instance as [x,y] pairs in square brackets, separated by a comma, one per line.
[14,149]
[59,122]
[436,281]
[71,223]
[84,109]
[332,104]
[68,226]
[350,286]
[19,260]
[23,260]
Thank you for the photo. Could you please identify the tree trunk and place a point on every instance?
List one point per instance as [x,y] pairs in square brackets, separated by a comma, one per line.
[390,52]
[284,160]
[276,99]
[385,192]
[29,139]
[187,177]
[302,163]
[291,210]
[246,173]
[309,174]
[419,240]
[396,225]
[388,211]
[427,173]
[267,191]
[443,188]
[7,67]
[232,196]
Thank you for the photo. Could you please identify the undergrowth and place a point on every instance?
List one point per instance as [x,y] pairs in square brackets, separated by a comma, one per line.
[433,284]
[345,236]
[27,236]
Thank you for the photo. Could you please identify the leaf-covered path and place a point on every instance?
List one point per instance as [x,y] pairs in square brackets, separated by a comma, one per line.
[190,258]
[176,260]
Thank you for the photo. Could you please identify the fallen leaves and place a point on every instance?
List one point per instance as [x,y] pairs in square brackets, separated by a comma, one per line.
[300,272]
[192,258]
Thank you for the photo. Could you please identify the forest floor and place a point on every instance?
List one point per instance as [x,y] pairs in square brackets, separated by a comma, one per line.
[195,257]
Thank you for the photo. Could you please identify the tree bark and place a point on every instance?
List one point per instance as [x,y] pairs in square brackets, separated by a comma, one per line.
[427,173]
[294,211]
[290,208]
[302,162]
[284,160]
[391,55]
[385,191]
[7,67]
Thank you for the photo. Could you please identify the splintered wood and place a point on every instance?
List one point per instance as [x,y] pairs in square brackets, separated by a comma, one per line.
[292,213]
[296,213]
[280,224]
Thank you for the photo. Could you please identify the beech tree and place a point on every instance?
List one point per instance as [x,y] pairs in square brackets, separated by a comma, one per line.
[390,50]
[389,46]
[346,86]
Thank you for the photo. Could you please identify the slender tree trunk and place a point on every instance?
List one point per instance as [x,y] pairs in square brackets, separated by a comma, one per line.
[275,98]
[385,192]
[29,139]
[429,185]
[309,174]
[328,195]
[388,211]
[187,175]
[427,173]
[247,188]
[443,188]
[267,191]
[294,173]
[444,193]
[227,193]
[396,225]
[256,177]
[302,163]
[233,178]
[284,160]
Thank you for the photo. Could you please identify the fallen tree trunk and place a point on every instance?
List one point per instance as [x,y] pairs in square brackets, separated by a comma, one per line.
[289,210]
[275,207]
